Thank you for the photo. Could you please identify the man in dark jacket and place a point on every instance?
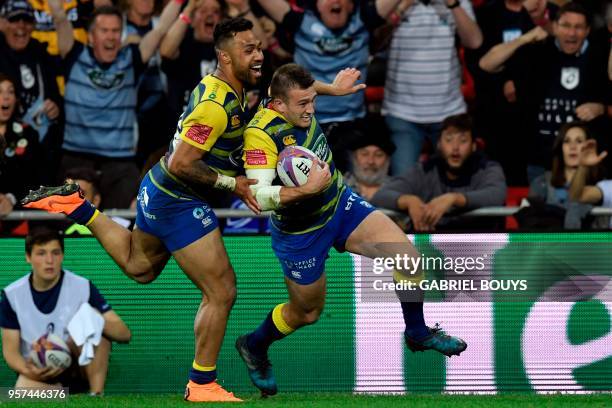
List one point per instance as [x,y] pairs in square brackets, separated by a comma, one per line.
[458,178]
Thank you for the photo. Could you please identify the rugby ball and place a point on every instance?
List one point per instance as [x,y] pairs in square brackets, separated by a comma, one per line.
[293,165]
[50,351]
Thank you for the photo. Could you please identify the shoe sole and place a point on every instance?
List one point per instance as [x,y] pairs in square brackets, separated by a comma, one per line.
[46,192]
[414,347]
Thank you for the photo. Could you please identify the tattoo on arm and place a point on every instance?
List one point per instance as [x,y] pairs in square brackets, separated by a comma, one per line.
[198,172]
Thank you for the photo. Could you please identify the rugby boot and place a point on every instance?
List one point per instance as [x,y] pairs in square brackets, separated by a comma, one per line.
[211,392]
[439,341]
[260,368]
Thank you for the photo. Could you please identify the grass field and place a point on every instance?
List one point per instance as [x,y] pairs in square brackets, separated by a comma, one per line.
[342,400]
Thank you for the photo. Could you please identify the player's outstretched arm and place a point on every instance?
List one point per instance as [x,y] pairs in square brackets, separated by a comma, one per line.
[344,83]
[150,42]
[63,26]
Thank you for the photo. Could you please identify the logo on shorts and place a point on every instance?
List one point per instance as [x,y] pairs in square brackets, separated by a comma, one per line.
[199,133]
[296,274]
[198,213]
[207,221]
[349,202]
[365,204]
[256,157]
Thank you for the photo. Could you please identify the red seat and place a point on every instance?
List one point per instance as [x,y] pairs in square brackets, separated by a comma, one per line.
[514,196]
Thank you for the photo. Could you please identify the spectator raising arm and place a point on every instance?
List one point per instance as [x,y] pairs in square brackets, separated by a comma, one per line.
[63,26]
[276,9]
[169,47]
[589,158]
[467,28]
[242,8]
[494,60]
[150,42]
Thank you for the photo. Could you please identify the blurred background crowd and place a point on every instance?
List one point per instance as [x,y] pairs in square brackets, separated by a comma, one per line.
[468,104]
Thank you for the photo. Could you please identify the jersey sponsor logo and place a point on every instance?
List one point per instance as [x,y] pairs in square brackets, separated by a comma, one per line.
[365,204]
[289,140]
[570,77]
[199,133]
[349,202]
[320,147]
[236,121]
[334,45]
[105,80]
[256,157]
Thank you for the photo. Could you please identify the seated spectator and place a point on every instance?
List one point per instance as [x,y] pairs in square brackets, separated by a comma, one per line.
[45,301]
[549,193]
[20,151]
[370,160]
[599,194]
[101,95]
[559,80]
[457,179]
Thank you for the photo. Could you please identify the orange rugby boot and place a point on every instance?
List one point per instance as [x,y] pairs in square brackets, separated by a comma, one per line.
[211,392]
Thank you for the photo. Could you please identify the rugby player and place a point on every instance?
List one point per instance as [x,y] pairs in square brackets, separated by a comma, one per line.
[173,214]
[308,220]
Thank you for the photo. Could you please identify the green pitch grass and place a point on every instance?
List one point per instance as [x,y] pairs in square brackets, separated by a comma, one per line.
[340,400]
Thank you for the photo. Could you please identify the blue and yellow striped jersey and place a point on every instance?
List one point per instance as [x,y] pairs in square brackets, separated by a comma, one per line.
[214,121]
[265,137]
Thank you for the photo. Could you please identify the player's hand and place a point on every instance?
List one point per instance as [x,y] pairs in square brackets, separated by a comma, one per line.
[588,154]
[344,83]
[534,35]
[436,208]
[589,111]
[243,191]
[318,178]
[240,6]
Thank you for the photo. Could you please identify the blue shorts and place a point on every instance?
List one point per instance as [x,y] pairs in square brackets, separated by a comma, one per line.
[302,256]
[176,218]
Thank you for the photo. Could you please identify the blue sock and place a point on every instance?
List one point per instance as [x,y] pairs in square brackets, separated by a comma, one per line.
[273,328]
[202,375]
[414,319]
[83,214]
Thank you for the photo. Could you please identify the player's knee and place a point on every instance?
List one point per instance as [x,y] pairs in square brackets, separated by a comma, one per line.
[311,316]
[224,297]
[141,275]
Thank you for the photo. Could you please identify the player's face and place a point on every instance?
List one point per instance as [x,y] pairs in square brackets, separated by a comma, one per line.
[205,19]
[8,100]
[371,164]
[571,30]
[18,33]
[299,106]
[46,260]
[105,38]
[142,7]
[572,143]
[335,13]
[455,147]
[246,57]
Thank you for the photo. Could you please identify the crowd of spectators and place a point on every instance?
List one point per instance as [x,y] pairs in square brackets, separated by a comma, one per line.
[464,98]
